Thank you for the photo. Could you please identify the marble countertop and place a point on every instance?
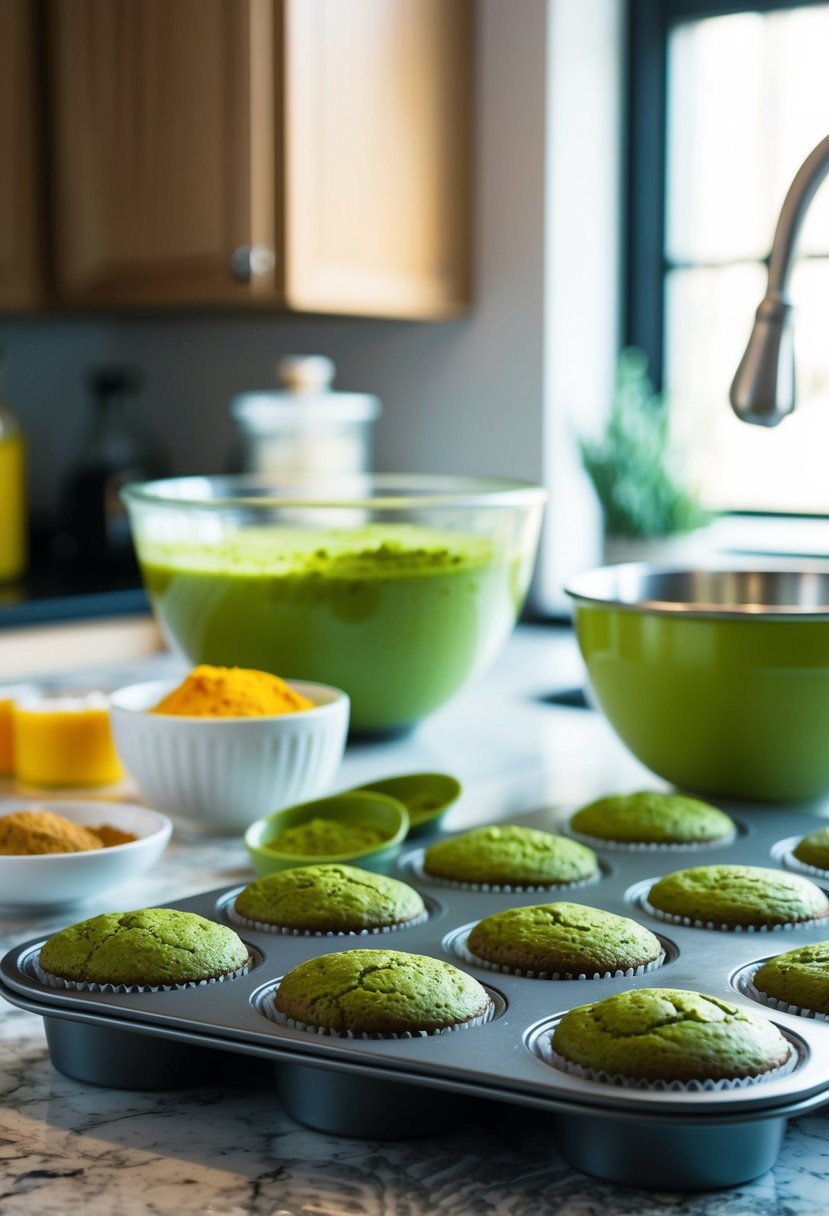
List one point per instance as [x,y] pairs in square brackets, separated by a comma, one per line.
[226,1149]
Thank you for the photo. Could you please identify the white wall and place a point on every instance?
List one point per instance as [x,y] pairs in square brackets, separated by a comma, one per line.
[583,263]
[468,396]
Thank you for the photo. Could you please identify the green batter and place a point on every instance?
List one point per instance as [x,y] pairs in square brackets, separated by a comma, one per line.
[397,615]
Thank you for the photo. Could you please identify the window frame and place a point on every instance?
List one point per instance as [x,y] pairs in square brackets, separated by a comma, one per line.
[645,265]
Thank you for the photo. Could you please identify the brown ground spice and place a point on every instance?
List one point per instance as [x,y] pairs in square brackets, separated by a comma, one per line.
[27,833]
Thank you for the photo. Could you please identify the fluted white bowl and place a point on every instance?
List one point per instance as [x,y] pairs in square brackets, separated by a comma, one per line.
[215,776]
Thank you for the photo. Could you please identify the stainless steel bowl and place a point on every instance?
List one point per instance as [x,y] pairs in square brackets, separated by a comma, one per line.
[717,679]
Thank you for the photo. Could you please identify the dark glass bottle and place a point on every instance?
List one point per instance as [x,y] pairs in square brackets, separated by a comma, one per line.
[118,448]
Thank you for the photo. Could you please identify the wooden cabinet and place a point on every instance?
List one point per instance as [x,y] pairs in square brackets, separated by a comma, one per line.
[21,228]
[307,154]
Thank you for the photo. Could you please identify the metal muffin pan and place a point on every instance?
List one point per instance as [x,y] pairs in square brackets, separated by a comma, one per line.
[386,1087]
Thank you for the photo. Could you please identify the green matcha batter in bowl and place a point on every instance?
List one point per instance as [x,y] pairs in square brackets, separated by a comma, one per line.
[397,589]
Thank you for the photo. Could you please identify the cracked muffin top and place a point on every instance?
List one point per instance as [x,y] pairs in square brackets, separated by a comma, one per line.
[329,899]
[800,978]
[648,817]
[739,896]
[147,948]
[510,856]
[380,992]
[667,1034]
[565,938]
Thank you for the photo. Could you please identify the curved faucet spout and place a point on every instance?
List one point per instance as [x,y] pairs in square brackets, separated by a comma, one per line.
[763,388]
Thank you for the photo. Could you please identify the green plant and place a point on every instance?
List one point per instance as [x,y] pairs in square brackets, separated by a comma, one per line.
[633,467]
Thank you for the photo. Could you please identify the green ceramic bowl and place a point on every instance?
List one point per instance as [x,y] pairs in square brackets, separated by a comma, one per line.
[426,796]
[335,819]
[717,680]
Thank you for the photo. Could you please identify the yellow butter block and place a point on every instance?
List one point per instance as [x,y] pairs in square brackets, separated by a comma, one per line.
[6,736]
[10,694]
[64,741]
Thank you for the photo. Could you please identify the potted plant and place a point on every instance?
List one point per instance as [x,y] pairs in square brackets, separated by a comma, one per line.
[634,469]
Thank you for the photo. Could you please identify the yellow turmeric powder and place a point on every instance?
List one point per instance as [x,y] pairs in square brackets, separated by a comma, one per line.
[231,692]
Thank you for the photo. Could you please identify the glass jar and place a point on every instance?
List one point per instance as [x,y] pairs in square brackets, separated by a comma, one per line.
[303,430]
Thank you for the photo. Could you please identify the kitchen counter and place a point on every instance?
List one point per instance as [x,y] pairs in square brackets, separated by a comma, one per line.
[226,1149]
[58,588]
[58,618]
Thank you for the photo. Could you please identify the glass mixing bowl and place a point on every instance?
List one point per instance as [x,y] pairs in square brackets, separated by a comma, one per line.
[396,588]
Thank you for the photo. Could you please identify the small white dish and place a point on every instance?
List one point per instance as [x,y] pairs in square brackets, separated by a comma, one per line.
[215,776]
[51,880]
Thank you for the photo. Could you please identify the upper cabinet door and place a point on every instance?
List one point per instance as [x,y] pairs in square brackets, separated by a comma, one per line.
[20,226]
[163,134]
[377,153]
[310,154]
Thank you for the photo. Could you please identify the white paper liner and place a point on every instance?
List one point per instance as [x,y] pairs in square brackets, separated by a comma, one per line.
[462,950]
[794,863]
[56,981]
[771,1002]
[285,931]
[710,1085]
[502,888]
[652,846]
[689,922]
[267,1007]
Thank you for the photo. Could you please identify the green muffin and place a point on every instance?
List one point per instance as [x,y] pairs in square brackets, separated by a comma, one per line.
[813,850]
[799,978]
[563,940]
[733,897]
[384,993]
[666,1034]
[147,948]
[651,818]
[510,856]
[329,899]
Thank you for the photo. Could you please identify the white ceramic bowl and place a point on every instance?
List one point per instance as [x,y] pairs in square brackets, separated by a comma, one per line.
[50,880]
[215,776]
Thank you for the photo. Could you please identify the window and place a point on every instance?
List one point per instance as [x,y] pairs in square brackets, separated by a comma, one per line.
[725,107]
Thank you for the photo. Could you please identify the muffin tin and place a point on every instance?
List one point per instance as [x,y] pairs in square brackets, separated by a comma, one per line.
[404,1087]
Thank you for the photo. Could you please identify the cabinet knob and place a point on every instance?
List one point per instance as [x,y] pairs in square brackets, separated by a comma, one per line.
[249,261]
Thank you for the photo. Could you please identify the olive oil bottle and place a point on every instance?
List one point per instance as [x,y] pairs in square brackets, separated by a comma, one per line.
[13,529]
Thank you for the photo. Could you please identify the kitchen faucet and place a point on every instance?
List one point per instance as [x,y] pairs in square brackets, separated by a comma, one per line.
[763,388]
